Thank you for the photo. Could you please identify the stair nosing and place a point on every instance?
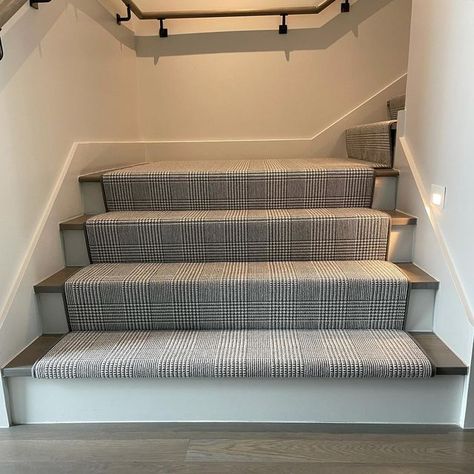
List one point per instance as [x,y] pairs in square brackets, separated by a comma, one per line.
[96,177]
[445,361]
[398,218]
[76,223]
[55,282]
[420,280]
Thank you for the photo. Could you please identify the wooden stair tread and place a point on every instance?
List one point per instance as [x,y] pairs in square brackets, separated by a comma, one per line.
[55,282]
[419,279]
[21,365]
[445,362]
[401,218]
[442,357]
[96,177]
[78,223]
[386,172]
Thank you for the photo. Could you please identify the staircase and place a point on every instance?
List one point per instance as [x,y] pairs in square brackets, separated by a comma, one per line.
[241,270]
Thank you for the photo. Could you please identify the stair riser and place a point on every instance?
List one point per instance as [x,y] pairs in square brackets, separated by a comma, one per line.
[419,314]
[385,195]
[238,185]
[239,236]
[428,401]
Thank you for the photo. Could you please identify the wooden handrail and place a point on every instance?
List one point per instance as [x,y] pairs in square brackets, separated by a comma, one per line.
[161,16]
[9,7]
[168,15]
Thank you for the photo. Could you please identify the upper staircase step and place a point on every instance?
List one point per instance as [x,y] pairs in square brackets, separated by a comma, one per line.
[256,235]
[229,353]
[238,295]
[395,105]
[96,176]
[246,184]
[372,143]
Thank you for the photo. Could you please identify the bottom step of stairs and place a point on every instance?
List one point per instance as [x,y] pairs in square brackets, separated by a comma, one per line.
[235,353]
[244,353]
[240,399]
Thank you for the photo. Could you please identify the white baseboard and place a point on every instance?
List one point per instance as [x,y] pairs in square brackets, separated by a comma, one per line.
[428,401]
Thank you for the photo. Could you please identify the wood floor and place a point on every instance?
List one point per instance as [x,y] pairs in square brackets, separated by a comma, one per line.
[236,448]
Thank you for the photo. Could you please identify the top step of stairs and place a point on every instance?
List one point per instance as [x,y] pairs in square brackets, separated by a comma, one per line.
[96,176]
[444,361]
[239,184]
[373,143]
[395,105]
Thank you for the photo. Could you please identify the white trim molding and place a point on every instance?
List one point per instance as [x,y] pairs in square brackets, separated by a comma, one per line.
[443,245]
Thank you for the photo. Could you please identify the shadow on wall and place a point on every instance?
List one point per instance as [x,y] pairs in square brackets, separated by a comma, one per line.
[39,22]
[309,39]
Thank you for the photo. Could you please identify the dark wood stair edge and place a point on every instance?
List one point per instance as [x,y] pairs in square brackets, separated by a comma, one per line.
[386,173]
[21,365]
[401,218]
[398,218]
[418,278]
[444,361]
[96,177]
[55,282]
[76,223]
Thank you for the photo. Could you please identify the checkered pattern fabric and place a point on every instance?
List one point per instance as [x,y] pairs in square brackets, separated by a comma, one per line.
[260,184]
[257,235]
[266,295]
[395,105]
[373,143]
[238,353]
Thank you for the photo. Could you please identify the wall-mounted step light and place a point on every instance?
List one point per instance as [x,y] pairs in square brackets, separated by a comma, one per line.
[438,195]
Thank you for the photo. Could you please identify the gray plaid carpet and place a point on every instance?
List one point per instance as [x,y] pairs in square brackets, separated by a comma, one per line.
[246,184]
[372,143]
[395,105]
[260,235]
[241,269]
[266,295]
[235,353]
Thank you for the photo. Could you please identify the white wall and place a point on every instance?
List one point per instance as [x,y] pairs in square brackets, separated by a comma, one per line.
[68,74]
[205,83]
[438,137]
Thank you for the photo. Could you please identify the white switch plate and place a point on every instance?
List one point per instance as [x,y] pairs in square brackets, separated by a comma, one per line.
[438,195]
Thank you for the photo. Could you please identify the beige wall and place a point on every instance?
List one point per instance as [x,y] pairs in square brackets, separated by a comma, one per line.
[68,74]
[438,141]
[205,84]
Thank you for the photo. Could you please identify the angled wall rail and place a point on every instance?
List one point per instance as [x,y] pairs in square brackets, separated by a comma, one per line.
[9,7]
[161,16]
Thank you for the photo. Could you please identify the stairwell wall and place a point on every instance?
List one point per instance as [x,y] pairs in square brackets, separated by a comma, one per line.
[438,138]
[68,74]
[238,79]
